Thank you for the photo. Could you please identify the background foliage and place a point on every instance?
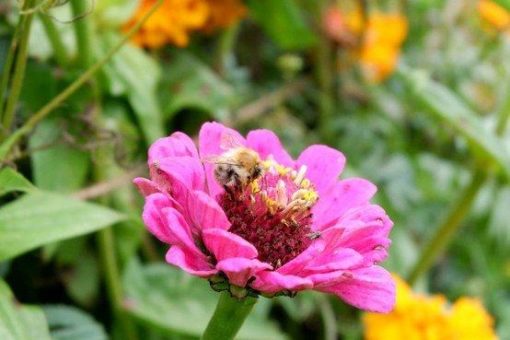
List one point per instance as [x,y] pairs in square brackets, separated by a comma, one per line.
[73,249]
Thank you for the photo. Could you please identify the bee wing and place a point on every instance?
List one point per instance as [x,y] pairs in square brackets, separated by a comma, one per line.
[230,141]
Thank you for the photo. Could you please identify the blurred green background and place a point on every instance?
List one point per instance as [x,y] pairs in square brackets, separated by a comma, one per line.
[415,93]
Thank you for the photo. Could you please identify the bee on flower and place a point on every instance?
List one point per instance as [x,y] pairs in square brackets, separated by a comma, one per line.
[279,227]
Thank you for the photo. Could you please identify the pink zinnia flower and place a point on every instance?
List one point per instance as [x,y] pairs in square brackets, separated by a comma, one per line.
[294,227]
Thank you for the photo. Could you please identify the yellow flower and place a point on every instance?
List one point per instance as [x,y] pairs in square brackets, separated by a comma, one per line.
[494,14]
[421,317]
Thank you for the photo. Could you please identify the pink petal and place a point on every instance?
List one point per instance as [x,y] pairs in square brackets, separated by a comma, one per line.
[188,170]
[205,212]
[176,145]
[343,196]
[211,137]
[272,282]
[145,186]
[371,289]
[190,262]
[178,229]
[266,143]
[371,241]
[240,270]
[223,245]
[338,259]
[324,165]
[154,218]
[177,176]
[298,264]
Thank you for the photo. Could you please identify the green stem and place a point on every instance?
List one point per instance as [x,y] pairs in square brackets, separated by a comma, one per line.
[324,74]
[7,68]
[228,317]
[83,31]
[451,224]
[19,68]
[225,47]
[59,49]
[30,124]
[106,244]
[445,232]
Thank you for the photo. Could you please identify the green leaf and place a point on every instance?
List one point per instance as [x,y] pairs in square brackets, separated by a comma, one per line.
[113,13]
[69,323]
[177,303]
[11,180]
[134,74]
[448,107]
[192,84]
[40,218]
[20,322]
[284,22]
[503,3]
[58,167]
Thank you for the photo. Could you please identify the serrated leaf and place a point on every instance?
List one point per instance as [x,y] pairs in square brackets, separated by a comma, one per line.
[11,180]
[284,22]
[448,107]
[41,218]
[20,322]
[189,83]
[177,303]
[70,323]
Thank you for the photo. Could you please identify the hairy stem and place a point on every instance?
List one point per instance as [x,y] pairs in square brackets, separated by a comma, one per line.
[19,67]
[228,317]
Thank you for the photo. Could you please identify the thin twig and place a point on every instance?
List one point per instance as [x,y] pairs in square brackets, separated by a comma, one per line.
[106,187]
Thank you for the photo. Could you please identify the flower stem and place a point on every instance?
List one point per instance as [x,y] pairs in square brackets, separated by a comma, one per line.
[325,77]
[59,49]
[30,124]
[19,66]
[228,317]
[83,30]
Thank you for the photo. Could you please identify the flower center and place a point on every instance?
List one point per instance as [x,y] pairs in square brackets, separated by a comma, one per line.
[273,212]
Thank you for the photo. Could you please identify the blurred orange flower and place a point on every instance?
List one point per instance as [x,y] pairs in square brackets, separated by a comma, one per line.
[381,37]
[175,20]
[417,317]
[223,13]
[497,16]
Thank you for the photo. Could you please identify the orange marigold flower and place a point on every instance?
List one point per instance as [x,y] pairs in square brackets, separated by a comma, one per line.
[171,23]
[175,20]
[223,13]
[382,39]
[379,38]
[494,14]
[422,317]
